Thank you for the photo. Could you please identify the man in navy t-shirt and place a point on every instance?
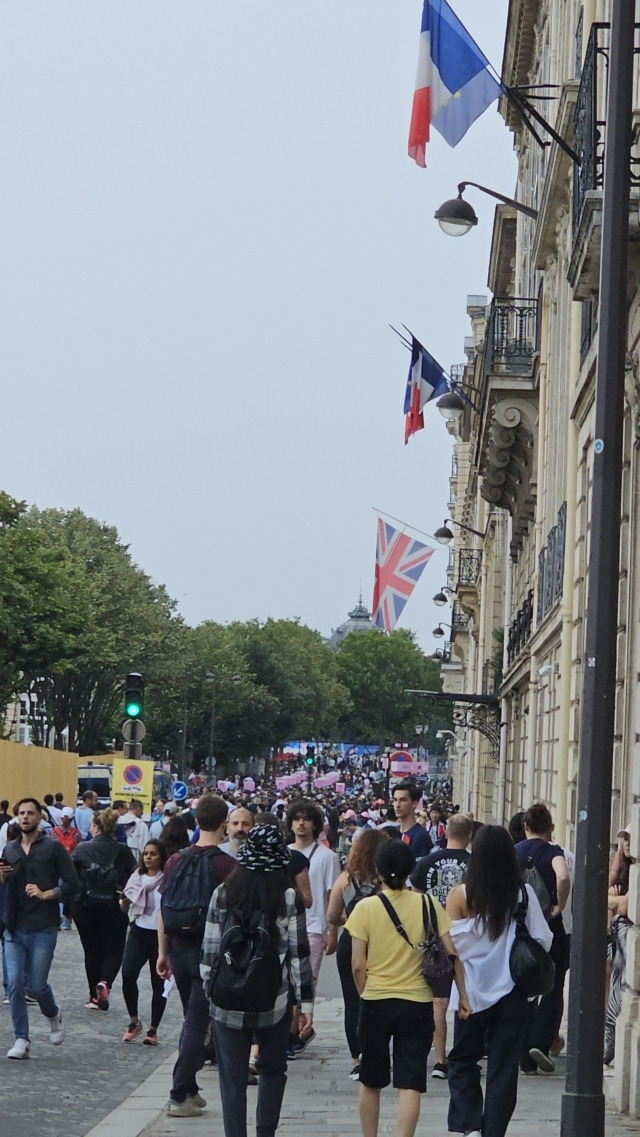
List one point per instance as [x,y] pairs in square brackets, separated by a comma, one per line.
[405,797]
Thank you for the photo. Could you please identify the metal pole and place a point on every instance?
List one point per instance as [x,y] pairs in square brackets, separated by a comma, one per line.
[213,719]
[583,1100]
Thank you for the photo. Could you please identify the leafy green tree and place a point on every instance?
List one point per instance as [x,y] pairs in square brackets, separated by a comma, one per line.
[298,669]
[376,671]
[244,711]
[126,623]
[39,612]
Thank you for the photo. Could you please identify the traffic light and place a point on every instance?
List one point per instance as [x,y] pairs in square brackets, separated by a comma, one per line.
[134,695]
[310,756]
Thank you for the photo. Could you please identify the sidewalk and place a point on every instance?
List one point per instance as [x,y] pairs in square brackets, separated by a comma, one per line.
[320,1098]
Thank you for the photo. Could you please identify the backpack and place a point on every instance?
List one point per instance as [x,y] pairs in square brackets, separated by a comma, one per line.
[187,895]
[531,875]
[99,885]
[248,974]
[531,967]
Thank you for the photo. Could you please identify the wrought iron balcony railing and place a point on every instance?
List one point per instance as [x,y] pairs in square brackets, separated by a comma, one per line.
[589,126]
[520,628]
[512,336]
[469,561]
[459,619]
[551,565]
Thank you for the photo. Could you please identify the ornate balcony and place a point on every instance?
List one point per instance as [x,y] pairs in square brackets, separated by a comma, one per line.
[512,337]
[510,412]
[551,566]
[520,629]
[588,177]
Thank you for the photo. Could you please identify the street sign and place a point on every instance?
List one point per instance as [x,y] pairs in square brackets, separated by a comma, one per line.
[179,791]
[133,730]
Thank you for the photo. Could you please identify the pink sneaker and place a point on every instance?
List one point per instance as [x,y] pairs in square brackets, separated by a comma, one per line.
[133,1030]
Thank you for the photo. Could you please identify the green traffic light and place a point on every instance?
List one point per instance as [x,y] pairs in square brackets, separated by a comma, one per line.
[133,710]
[308,761]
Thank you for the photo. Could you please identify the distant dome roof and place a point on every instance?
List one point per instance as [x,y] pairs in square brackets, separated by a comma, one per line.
[359,621]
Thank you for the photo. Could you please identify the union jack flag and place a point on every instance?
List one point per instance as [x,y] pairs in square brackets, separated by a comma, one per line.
[399,565]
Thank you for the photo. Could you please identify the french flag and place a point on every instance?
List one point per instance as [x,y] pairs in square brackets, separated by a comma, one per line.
[453,83]
[426,380]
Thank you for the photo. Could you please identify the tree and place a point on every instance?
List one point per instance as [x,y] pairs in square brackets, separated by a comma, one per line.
[376,671]
[126,623]
[39,612]
[244,710]
[298,668]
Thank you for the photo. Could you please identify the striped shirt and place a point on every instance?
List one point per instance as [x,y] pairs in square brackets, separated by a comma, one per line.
[293,950]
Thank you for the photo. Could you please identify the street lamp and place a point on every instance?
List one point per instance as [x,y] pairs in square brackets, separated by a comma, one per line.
[212,678]
[421,729]
[441,598]
[439,632]
[450,406]
[457,217]
[444,535]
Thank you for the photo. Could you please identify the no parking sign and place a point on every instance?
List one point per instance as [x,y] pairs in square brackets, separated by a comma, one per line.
[133,779]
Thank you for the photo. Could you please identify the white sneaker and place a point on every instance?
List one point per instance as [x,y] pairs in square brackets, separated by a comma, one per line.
[20,1049]
[57,1030]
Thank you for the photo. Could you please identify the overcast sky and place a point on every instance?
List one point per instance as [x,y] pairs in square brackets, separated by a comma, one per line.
[208,220]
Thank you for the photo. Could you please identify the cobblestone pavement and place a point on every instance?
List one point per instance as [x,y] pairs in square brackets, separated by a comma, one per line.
[320,1098]
[94,1080]
[69,1089]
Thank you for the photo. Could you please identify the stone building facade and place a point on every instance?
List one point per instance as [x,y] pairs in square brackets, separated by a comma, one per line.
[524,458]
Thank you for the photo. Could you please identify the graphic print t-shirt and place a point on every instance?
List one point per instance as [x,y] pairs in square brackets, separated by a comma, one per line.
[438,873]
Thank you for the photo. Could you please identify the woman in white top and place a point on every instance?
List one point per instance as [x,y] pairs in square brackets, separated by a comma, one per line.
[142,901]
[483,932]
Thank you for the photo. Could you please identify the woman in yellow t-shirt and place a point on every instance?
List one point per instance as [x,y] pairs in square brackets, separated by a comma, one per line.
[396,1002]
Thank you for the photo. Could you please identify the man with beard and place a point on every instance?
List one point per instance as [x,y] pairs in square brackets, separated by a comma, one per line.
[32,866]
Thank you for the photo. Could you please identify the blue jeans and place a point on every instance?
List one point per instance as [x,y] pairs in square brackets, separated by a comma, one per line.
[29,954]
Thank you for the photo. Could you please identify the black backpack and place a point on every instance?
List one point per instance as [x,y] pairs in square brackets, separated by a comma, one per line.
[248,974]
[186,898]
[99,885]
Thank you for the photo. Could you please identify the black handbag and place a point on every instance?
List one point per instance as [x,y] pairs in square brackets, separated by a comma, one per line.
[437,966]
[532,968]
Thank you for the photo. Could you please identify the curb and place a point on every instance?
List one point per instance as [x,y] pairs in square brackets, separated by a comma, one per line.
[140,1110]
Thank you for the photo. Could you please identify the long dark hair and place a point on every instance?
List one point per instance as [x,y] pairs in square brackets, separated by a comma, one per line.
[248,892]
[175,835]
[492,880]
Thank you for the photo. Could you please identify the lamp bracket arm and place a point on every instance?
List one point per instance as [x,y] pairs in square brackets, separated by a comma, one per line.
[533,213]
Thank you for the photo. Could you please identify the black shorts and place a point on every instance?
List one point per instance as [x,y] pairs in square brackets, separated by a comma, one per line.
[441,988]
[410,1025]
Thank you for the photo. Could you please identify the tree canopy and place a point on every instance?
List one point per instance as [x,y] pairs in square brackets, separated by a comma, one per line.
[77,614]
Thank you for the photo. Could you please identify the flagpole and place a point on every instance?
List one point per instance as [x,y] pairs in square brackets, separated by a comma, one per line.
[405,524]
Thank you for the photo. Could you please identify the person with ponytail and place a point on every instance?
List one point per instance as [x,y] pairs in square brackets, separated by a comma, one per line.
[104,866]
[396,1001]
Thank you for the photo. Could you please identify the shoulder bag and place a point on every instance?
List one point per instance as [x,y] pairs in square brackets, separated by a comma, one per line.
[532,969]
[436,965]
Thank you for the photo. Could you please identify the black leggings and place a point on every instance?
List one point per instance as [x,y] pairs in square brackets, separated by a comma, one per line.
[102,934]
[141,948]
[349,994]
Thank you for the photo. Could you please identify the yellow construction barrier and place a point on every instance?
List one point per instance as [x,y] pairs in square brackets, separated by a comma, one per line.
[37,770]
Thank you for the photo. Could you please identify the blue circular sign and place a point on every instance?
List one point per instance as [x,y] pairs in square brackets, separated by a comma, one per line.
[179,791]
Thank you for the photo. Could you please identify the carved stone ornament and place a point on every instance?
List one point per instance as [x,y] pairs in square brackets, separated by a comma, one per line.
[509,475]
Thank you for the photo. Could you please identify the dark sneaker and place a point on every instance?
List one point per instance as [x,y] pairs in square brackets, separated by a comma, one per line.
[542,1060]
[102,995]
[440,1070]
[301,1044]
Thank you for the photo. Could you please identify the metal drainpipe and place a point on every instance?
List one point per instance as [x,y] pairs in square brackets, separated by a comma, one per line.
[563,690]
[504,704]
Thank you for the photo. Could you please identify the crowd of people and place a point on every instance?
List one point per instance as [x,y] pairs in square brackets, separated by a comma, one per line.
[208,894]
